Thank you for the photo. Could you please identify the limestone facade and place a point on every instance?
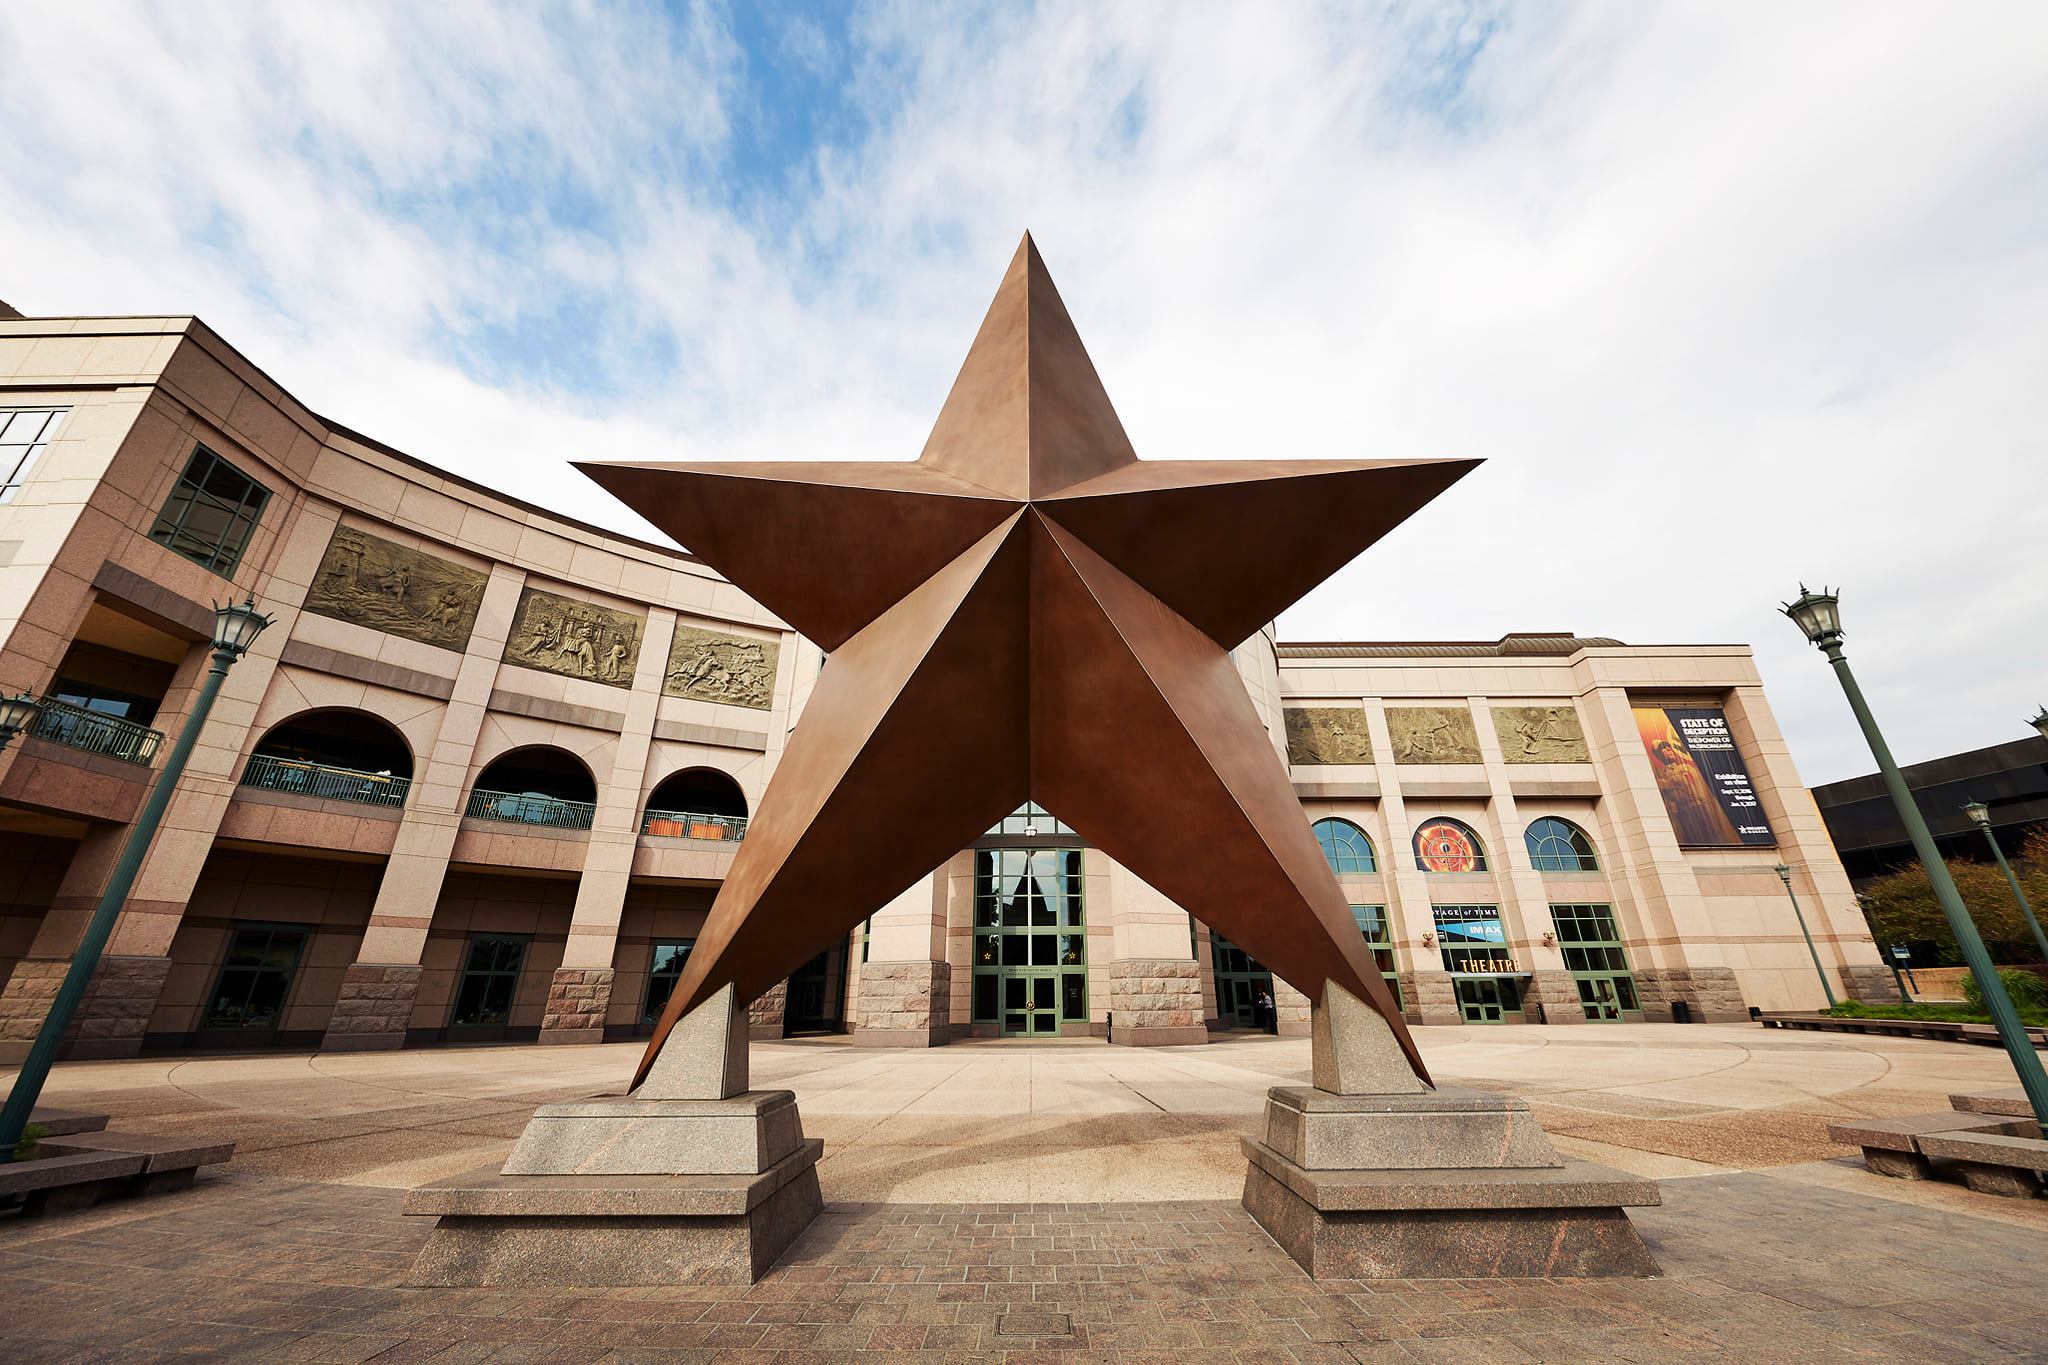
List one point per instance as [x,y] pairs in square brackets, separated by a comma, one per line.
[543,739]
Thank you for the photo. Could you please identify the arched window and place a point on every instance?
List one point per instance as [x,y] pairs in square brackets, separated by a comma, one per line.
[696,803]
[338,754]
[538,785]
[1346,846]
[1443,845]
[1560,846]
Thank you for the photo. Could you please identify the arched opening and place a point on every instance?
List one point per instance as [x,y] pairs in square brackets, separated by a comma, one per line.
[339,755]
[704,791]
[1346,846]
[539,785]
[1559,846]
[1445,845]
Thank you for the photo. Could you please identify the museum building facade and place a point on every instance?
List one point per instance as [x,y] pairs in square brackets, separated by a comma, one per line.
[483,776]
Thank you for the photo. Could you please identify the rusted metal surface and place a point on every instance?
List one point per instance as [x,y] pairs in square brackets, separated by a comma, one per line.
[1027,611]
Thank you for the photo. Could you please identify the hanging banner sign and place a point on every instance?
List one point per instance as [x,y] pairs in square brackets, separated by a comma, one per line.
[1700,774]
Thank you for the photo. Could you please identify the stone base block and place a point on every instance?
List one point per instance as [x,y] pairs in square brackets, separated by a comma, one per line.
[1450,1224]
[1434,1130]
[1129,1035]
[373,1009]
[577,1000]
[588,1230]
[1869,981]
[902,1004]
[1711,995]
[744,1135]
[1429,998]
[1156,1002]
[766,1015]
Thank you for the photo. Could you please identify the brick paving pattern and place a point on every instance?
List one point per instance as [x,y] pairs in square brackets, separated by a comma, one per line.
[1758,1268]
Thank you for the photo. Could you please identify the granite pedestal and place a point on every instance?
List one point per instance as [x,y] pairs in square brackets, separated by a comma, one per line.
[693,1178]
[1370,1174]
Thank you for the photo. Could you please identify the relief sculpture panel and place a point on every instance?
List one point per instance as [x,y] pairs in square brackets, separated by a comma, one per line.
[575,639]
[1432,734]
[1327,734]
[1539,734]
[369,581]
[708,665]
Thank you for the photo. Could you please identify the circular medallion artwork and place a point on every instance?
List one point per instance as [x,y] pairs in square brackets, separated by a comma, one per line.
[1447,846]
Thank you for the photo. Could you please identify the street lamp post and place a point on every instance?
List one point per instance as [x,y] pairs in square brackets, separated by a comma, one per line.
[236,627]
[1818,616]
[2039,720]
[17,713]
[1785,876]
[1981,813]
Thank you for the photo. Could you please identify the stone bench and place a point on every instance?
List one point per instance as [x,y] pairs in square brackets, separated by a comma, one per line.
[2010,1102]
[1892,1146]
[86,1167]
[65,1122]
[1992,1163]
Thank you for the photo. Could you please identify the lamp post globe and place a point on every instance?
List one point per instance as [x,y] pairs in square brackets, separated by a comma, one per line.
[17,713]
[1979,812]
[1819,618]
[2039,720]
[236,626]
[1817,614]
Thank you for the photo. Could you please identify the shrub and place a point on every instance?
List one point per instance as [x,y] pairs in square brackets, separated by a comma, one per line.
[2029,992]
[31,1137]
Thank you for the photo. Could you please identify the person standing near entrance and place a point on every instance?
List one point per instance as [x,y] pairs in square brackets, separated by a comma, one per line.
[1263,1014]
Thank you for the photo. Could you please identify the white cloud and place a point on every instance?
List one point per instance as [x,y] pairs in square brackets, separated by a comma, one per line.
[1727,298]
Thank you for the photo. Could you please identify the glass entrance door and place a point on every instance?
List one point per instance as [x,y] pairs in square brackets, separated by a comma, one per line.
[1240,983]
[1030,1005]
[1480,1001]
[1597,998]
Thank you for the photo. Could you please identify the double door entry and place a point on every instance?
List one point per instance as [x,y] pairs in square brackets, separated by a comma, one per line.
[1033,1001]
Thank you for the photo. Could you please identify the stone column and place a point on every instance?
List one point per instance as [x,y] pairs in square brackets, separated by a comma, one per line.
[581,991]
[903,994]
[1549,990]
[1155,986]
[1426,993]
[374,1008]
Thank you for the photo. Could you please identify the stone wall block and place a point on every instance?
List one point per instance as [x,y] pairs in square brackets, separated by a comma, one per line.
[374,1007]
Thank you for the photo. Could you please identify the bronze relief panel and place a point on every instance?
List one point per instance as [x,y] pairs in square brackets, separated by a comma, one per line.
[709,665]
[1540,734]
[369,581]
[575,639]
[1327,734]
[1432,734]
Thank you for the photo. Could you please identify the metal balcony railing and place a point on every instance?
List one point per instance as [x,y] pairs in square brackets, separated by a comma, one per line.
[529,808]
[95,733]
[682,824]
[302,778]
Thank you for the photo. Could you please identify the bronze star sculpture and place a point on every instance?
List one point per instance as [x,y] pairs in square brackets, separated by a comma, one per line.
[1028,611]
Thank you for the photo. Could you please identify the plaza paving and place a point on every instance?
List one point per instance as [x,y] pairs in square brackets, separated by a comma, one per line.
[1051,1201]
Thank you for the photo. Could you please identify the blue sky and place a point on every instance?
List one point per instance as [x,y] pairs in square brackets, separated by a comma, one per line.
[1726,296]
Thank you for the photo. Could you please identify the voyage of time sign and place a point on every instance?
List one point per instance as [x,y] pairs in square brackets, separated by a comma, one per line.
[1700,774]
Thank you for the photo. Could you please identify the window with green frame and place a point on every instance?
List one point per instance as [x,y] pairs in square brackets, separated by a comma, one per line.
[1346,846]
[664,969]
[1372,922]
[1029,912]
[490,976]
[1559,846]
[1591,944]
[211,513]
